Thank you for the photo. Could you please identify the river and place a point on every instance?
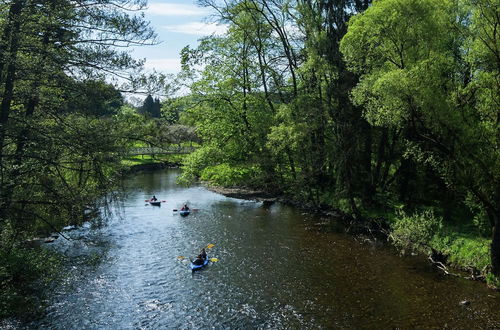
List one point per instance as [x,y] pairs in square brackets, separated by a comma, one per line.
[277,268]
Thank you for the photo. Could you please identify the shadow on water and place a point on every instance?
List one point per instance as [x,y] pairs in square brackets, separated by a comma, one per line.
[277,268]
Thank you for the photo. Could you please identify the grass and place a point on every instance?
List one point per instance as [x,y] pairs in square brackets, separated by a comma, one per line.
[460,242]
[464,249]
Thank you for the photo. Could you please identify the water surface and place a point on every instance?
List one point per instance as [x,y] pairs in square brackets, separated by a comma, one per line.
[278,268]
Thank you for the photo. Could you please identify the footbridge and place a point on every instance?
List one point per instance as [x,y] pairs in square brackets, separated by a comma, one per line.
[170,150]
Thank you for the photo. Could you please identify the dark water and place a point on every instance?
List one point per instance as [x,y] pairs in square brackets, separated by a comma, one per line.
[277,268]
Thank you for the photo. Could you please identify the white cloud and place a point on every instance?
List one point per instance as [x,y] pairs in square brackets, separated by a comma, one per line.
[166,65]
[197,28]
[170,9]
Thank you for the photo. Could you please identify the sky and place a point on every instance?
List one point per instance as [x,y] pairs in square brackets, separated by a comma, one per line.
[178,23]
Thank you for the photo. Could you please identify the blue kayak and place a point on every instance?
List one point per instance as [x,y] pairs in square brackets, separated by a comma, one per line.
[198,267]
[184,212]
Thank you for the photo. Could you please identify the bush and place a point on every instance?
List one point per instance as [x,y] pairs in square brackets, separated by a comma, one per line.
[227,175]
[195,162]
[414,232]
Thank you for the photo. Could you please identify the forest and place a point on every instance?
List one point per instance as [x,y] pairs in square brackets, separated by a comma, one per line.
[386,110]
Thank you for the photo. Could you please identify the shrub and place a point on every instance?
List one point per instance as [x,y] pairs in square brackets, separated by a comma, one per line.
[414,232]
[228,175]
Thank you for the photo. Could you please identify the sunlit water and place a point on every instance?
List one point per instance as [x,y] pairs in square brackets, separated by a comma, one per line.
[278,268]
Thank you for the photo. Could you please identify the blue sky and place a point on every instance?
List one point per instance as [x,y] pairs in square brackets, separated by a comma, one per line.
[178,23]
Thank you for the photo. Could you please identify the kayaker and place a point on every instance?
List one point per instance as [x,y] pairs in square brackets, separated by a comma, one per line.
[154,199]
[203,254]
[199,260]
[185,208]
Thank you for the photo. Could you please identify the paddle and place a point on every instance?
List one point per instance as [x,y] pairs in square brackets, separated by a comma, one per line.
[181,258]
[148,200]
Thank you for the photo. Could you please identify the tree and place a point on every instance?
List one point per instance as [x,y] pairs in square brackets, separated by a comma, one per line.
[93,98]
[421,65]
[46,50]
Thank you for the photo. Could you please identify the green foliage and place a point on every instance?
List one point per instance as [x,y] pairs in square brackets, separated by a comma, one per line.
[94,98]
[493,281]
[463,250]
[426,68]
[480,218]
[151,107]
[24,273]
[61,138]
[407,117]
[195,162]
[230,175]
[414,232]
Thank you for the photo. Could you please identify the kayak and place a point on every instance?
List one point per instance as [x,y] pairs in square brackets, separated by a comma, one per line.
[198,267]
[157,203]
[184,212]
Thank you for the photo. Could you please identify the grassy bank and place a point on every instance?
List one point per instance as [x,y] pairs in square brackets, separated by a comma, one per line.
[459,245]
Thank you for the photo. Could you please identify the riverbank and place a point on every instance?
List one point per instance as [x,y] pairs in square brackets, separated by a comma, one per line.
[450,249]
[153,166]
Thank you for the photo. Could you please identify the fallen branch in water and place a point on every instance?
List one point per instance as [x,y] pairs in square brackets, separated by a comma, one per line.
[475,274]
[442,267]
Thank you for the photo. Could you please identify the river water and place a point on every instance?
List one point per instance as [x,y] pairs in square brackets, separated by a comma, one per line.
[278,268]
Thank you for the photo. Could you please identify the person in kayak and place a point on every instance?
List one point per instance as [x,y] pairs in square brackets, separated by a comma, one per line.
[153,199]
[199,260]
[203,254]
[185,208]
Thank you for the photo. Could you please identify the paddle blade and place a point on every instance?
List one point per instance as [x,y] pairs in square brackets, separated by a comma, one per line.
[214,259]
[163,201]
[209,246]
[181,257]
[175,210]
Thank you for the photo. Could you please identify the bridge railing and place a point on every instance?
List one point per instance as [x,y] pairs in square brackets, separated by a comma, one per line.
[161,151]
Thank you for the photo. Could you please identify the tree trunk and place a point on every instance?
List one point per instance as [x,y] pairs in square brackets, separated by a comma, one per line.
[9,58]
[380,157]
[368,186]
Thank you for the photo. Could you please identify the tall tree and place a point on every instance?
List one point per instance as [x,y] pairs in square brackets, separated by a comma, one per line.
[426,68]
[46,49]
